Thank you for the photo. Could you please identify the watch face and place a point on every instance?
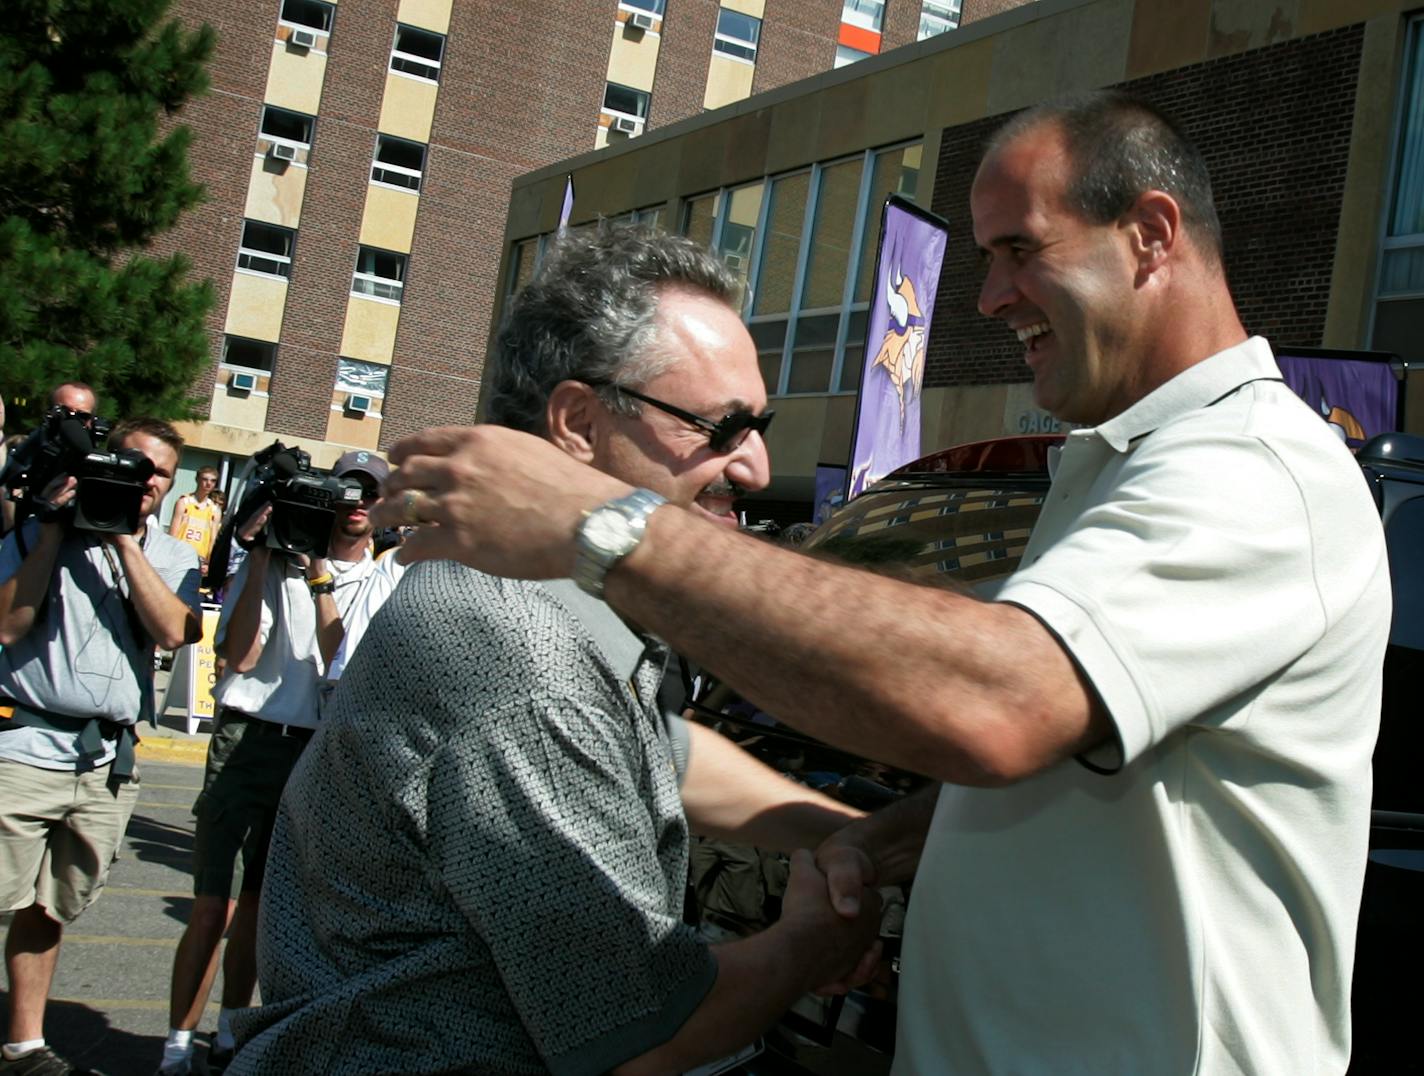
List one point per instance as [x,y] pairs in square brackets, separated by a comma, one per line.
[607,530]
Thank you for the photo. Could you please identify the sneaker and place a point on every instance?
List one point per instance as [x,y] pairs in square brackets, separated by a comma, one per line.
[41,1062]
[178,1068]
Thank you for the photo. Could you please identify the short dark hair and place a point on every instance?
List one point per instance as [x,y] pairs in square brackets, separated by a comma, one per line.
[206,470]
[154,427]
[588,315]
[1121,146]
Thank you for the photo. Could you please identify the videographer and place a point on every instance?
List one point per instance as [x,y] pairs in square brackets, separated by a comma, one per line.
[75,396]
[280,626]
[80,614]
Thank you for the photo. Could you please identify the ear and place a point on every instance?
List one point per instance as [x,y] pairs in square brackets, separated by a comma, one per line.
[1155,225]
[574,418]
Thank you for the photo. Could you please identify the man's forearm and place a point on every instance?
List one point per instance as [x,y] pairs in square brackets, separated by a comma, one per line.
[24,592]
[242,644]
[911,675]
[758,979]
[169,621]
[729,794]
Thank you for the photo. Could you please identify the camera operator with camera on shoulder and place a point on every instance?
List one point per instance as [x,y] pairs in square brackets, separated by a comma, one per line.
[308,536]
[87,590]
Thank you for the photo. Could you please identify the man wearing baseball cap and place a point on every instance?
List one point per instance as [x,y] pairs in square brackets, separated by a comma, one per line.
[280,626]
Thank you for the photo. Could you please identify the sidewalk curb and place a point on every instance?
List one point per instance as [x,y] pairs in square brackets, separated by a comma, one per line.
[171,749]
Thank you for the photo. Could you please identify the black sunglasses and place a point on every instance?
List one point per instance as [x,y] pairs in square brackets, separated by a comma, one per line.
[722,436]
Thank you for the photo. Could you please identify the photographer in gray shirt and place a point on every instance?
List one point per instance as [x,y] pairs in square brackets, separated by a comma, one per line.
[80,614]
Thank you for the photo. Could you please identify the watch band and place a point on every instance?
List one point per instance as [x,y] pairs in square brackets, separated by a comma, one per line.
[608,534]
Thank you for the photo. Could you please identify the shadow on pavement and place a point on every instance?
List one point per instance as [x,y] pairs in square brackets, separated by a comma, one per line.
[87,1039]
[160,842]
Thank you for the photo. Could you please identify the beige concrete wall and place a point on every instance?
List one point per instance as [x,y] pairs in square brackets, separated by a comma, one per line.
[341,429]
[388,221]
[237,411]
[295,76]
[408,107]
[728,80]
[255,307]
[275,191]
[369,333]
[754,8]
[427,14]
[217,435]
[633,57]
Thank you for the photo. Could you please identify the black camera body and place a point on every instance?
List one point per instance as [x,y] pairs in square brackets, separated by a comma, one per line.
[304,500]
[111,485]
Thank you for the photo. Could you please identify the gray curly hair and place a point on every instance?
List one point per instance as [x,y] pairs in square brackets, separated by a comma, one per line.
[588,315]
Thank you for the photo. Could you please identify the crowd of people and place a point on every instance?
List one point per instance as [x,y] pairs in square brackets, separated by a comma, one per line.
[463,844]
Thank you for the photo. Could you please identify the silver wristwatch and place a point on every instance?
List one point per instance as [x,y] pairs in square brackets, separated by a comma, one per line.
[609,533]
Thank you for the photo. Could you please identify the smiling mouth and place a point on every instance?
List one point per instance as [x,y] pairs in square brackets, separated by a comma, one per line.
[1031,335]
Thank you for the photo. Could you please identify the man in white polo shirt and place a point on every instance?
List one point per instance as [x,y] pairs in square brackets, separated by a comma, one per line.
[1148,851]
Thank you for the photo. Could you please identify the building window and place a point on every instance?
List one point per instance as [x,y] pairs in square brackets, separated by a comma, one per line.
[737,35]
[417,53]
[625,101]
[803,245]
[246,354]
[307,15]
[938,17]
[398,162]
[361,386]
[869,14]
[380,274]
[266,249]
[283,125]
[1399,288]
[656,7]
[846,55]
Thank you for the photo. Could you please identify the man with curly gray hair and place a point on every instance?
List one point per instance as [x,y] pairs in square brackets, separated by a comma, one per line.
[479,865]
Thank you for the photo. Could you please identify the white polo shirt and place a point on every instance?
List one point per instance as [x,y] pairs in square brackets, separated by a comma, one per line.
[1213,561]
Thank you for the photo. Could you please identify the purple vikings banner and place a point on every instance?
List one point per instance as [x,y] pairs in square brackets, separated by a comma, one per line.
[1356,393]
[887,415]
[830,490]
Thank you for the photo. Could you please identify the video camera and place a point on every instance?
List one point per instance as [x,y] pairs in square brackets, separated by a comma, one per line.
[304,503]
[111,485]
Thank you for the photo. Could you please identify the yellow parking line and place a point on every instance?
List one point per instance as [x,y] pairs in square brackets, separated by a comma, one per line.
[114,939]
[123,1003]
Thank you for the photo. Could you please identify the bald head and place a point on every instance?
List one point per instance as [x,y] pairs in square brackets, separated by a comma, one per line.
[76,396]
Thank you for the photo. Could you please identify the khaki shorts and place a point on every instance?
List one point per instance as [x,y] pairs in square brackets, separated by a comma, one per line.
[60,832]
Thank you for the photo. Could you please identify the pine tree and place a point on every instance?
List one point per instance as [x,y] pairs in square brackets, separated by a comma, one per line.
[89,180]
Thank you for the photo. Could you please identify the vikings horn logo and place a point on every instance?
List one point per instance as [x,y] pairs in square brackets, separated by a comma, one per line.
[1346,426]
[902,351]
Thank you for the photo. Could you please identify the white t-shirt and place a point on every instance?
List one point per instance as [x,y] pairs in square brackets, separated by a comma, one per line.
[282,686]
[379,586]
[1213,561]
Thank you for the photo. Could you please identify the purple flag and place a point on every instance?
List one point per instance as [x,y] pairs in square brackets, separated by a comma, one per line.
[1357,394]
[887,422]
[568,206]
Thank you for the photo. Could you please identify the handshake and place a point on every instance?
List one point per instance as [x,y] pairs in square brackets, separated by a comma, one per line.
[830,917]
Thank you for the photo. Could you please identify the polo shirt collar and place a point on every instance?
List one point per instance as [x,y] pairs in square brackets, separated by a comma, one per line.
[622,647]
[1197,386]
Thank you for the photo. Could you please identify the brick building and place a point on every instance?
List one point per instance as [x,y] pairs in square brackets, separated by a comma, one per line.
[358,159]
[1308,114]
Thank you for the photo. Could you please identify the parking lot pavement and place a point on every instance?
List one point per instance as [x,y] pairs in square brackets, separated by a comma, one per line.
[109,1005]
